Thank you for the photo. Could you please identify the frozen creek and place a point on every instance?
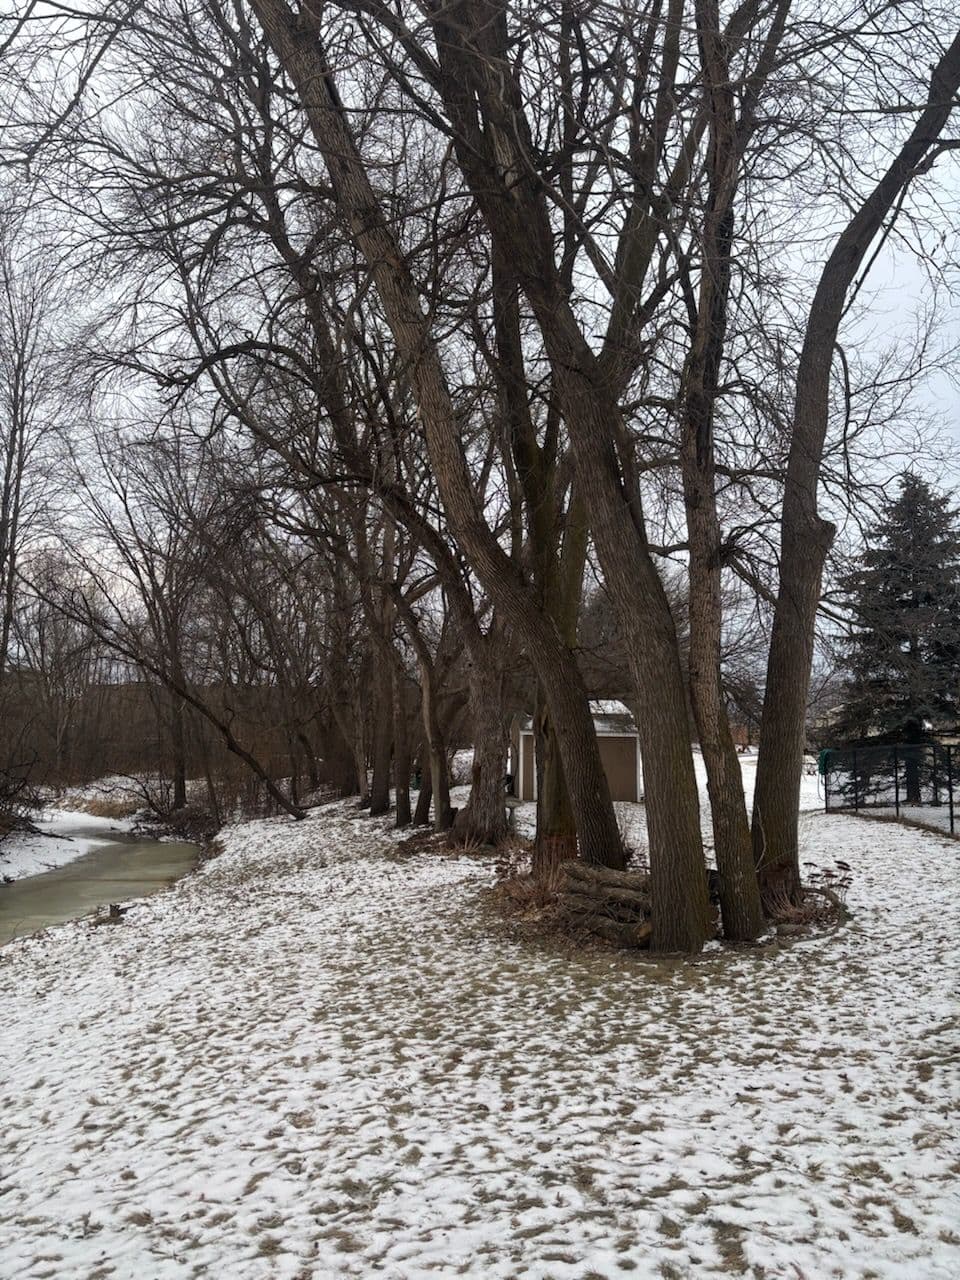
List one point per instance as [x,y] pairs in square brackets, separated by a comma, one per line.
[116,868]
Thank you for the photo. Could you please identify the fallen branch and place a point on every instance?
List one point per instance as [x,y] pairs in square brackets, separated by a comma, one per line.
[623,935]
[624,899]
[636,881]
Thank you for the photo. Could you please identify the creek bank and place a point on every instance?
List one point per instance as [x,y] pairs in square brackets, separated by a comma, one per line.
[114,868]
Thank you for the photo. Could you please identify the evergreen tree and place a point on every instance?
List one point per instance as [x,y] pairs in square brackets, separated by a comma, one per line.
[903,654]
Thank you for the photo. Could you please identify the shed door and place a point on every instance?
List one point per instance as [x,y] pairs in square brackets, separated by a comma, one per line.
[528,780]
[619,759]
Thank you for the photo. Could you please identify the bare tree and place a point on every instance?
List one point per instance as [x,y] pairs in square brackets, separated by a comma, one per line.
[805,536]
[32,397]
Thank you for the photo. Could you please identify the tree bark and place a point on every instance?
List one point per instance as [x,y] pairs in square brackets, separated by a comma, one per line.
[556,840]
[352,727]
[556,567]
[421,814]
[740,906]
[178,750]
[401,751]
[310,760]
[382,739]
[434,743]
[340,768]
[437,752]
[483,819]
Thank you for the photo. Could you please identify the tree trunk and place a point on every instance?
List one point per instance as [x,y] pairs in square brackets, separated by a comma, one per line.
[556,570]
[913,754]
[483,820]
[739,891]
[401,751]
[912,777]
[805,538]
[212,797]
[310,760]
[178,751]
[776,804]
[680,905]
[556,840]
[339,765]
[383,739]
[293,755]
[358,744]
[562,586]
[470,40]
[421,814]
[436,749]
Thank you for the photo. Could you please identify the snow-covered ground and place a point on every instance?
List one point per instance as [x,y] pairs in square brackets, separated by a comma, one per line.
[632,818]
[65,834]
[125,790]
[319,1057]
[925,815]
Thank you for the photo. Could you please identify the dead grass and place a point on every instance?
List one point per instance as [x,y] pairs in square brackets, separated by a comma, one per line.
[448,844]
[530,908]
[821,910]
[525,896]
[424,841]
[791,919]
[103,807]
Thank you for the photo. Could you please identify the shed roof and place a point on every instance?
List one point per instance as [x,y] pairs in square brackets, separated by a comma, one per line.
[610,717]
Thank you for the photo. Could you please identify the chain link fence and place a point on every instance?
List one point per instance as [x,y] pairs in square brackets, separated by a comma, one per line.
[920,783]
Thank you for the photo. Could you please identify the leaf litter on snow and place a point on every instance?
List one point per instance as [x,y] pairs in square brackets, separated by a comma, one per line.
[316,1058]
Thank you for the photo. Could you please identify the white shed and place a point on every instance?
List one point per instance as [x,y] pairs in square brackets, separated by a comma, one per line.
[619,752]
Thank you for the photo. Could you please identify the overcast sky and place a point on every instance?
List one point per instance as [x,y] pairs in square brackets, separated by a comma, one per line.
[901,288]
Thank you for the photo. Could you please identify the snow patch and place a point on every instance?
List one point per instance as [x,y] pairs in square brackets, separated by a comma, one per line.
[64,835]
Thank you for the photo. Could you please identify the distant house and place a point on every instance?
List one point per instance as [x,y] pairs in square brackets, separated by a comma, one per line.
[619,752]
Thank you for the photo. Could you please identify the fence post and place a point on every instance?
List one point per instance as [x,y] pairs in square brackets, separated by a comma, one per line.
[826,782]
[950,785]
[856,784]
[896,780]
[933,775]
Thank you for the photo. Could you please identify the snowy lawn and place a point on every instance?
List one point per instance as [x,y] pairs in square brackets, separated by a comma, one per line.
[320,1058]
[632,818]
[923,815]
[64,835]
